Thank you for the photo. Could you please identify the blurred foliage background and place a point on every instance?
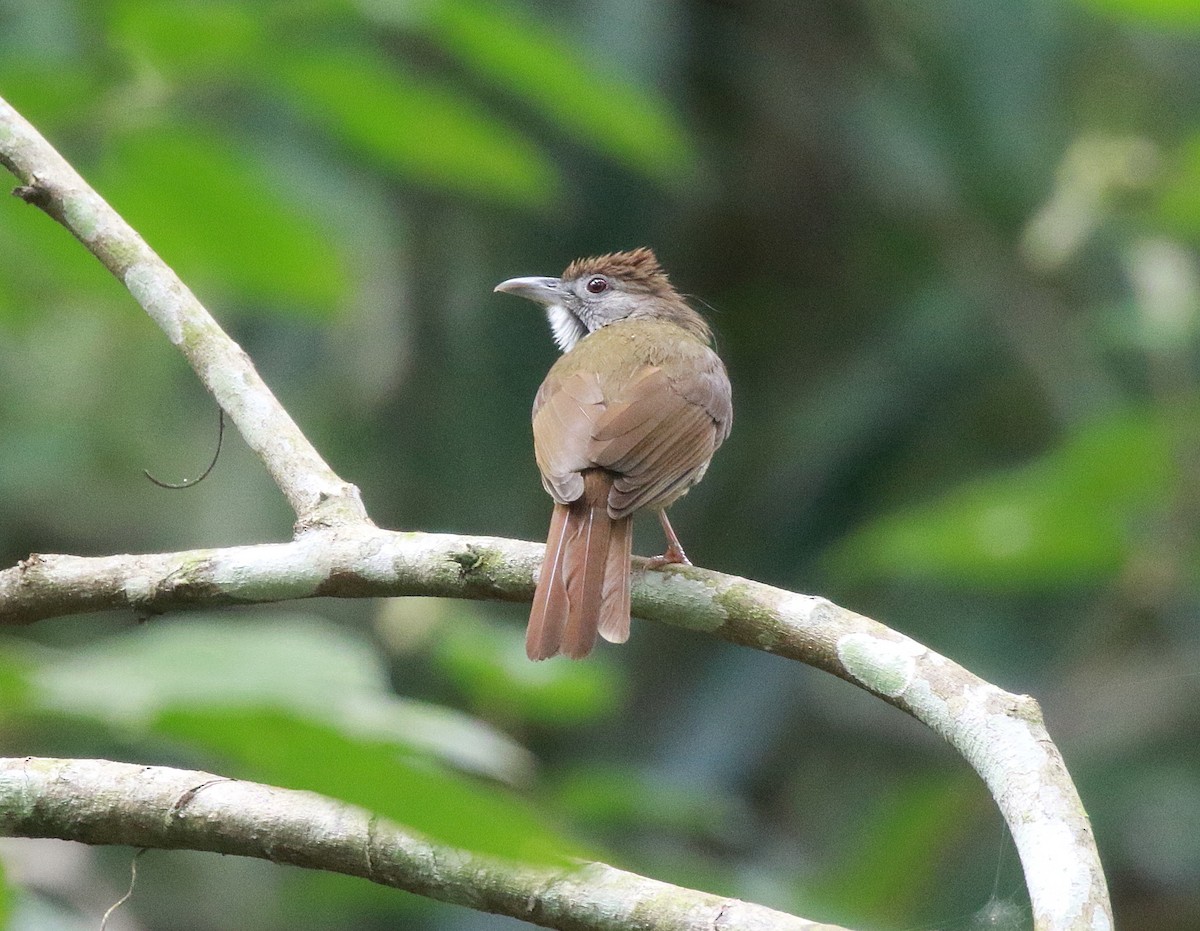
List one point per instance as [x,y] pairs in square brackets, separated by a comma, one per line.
[950,248]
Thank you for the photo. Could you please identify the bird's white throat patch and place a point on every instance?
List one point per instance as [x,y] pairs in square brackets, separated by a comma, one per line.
[565,326]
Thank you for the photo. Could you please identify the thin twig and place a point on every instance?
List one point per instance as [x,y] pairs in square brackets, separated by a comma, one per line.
[128,894]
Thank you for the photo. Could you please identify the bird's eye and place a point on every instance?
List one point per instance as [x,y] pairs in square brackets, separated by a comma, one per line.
[597,285]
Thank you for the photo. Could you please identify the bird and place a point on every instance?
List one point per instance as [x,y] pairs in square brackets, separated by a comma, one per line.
[626,420]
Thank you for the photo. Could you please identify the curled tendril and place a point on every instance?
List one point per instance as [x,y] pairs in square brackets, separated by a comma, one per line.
[203,475]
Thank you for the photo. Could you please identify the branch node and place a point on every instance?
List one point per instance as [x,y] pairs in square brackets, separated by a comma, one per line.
[1028,709]
[35,193]
[332,510]
[185,798]
[369,846]
[32,561]
[468,559]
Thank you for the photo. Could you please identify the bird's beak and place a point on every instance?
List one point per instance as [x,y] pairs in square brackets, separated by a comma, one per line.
[545,291]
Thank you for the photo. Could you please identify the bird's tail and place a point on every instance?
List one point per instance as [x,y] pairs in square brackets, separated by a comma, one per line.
[584,584]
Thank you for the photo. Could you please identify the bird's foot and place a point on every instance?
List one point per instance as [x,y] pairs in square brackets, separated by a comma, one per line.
[674,556]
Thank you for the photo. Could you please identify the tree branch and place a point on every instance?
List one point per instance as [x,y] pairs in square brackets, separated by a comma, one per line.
[98,802]
[317,495]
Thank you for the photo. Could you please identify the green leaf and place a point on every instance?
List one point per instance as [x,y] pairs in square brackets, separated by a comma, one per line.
[15,690]
[51,96]
[1178,206]
[6,899]
[1068,518]
[489,664]
[187,40]
[281,749]
[534,63]
[296,664]
[1180,14]
[210,210]
[303,704]
[42,265]
[898,850]
[623,799]
[413,128]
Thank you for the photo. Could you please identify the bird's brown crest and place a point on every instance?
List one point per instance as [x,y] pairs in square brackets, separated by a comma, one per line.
[638,268]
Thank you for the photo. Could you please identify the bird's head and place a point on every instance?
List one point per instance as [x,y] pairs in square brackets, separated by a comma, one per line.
[597,291]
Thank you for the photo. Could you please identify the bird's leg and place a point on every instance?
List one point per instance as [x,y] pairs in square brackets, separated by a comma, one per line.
[674,554]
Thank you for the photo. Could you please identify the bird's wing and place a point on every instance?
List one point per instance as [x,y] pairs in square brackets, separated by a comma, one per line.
[659,433]
[565,411]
